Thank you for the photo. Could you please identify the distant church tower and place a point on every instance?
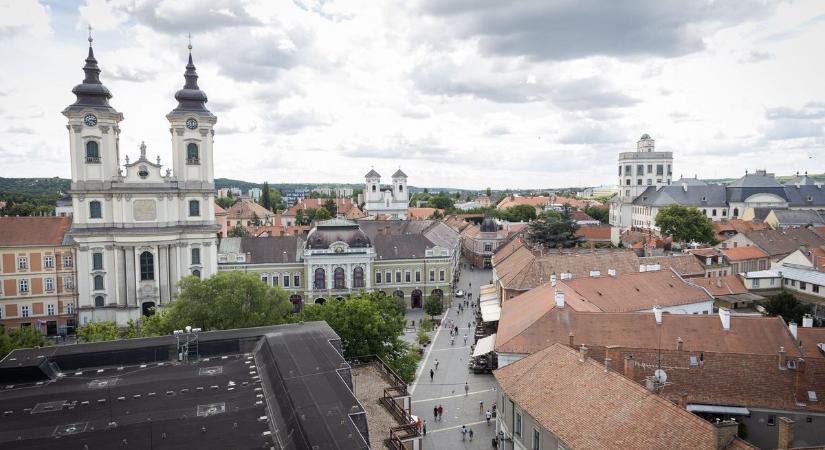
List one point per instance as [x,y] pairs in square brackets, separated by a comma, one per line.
[138,229]
[388,200]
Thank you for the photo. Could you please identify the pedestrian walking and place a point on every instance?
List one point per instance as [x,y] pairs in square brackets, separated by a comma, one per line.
[440,412]
[463,432]
[431,375]
[435,412]
[470,431]
[481,407]
[465,338]
[424,428]
[487,416]
[466,389]
[436,364]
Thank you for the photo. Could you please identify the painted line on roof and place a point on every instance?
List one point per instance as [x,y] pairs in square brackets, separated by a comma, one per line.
[458,426]
[423,364]
[452,396]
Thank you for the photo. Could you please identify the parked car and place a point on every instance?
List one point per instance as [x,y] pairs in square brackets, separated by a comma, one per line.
[459,293]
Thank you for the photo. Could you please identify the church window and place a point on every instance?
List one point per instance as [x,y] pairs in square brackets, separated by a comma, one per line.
[286,280]
[97,261]
[713,212]
[660,169]
[397,276]
[296,280]
[407,276]
[196,273]
[98,282]
[432,275]
[400,188]
[358,277]
[100,301]
[95,211]
[147,266]
[724,212]
[373,188]
[196,255]
[143,172]
[192,154]
[735,212]
[320,279]
[276,279]
[92,152]
[194,208]
[338,278]
[265,278]
[441,275]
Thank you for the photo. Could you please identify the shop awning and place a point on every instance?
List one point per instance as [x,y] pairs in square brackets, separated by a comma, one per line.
[486,289]
[717,409]
[490,311]
[485,345]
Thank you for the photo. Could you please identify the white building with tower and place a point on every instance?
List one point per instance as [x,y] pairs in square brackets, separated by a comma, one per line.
[390,200]
[639,170]
[139,229]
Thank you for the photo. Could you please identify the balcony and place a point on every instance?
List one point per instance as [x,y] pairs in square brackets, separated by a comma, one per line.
[93,160]
[193,162]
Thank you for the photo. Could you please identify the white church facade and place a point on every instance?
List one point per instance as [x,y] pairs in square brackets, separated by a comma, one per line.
[139,229]
[390,200]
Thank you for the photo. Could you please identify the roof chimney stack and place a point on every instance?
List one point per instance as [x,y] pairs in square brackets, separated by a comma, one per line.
[657,313]
[611,272]
[553,279]
[807,321]
[781,358]
[582,353]
[793,327]
[680,344]
[785,433]
[724,316]
[607,365]
[560,299]
[629,367]
[570,339]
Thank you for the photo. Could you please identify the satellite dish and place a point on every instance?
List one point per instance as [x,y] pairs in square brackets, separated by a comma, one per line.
[660,375]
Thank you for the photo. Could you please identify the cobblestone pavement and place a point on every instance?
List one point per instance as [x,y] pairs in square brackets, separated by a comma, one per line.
[447,387]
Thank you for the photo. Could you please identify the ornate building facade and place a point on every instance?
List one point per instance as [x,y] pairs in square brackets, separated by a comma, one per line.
[391,200]
[138,228]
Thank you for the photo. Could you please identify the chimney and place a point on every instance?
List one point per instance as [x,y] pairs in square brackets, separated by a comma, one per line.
[657,313]
[582,353]
[553,279]
[680,344]
[683,400]
[793,327]
[570,339]
[629,367]
[726,431]
[724,316]
[785,433]
[611,272]
[719,282]
[560,299]
[807,321]
[801,382]
[782,358]
[595,273]
[684,187]
[607,364]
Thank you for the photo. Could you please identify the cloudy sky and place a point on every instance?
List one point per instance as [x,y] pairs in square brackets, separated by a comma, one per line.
[459,93]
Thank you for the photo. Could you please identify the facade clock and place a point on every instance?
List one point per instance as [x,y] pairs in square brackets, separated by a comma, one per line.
[191,124]
[90,120]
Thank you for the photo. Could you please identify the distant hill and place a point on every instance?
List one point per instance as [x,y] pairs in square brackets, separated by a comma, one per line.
[33,186]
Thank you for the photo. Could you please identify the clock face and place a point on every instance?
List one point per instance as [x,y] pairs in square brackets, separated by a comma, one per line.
[90,120]
[191,124]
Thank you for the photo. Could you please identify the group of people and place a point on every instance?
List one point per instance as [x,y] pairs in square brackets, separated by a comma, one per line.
[437,412]
[466,431]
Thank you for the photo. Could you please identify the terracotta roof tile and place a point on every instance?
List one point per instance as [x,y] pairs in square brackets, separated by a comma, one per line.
[23,231]
[562,393]
[727,285]
[783,242]
[599,233]
[247,210]
[808,340]
[685,264]
[422,213]
[743,253]
[342,204]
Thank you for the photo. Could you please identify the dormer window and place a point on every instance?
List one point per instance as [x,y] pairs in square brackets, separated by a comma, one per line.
[810,198]
[143,172]
[704,199]
[92,152]
[192,154]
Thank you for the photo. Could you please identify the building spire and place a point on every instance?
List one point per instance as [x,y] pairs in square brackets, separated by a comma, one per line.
[191,97]
[91,91]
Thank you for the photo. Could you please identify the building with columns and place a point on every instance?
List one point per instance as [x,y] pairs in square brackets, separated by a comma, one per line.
[138,228]
[390,200]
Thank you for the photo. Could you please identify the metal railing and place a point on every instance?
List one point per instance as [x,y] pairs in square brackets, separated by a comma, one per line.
[93,159]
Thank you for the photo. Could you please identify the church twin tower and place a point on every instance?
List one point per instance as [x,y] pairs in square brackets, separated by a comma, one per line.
[139,229]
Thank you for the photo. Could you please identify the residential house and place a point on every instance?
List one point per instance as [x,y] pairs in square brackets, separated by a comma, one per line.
[549,400]
[544,203]
[745,259]
[727,228]
[777,244]
[423,213]
[712,260]
[598,234]
[583,219]
[728,291]
[480,242]
[37,275]
[345,208]
[787,218]
[685,264]
[220,219]
[247,213]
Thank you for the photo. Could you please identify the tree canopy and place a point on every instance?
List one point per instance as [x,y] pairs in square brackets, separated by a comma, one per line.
[266,199]
[553,232]
[786,305]
[97,332]
[22,337]
[237,231]
[518,213]
[433,306]
[600,213]
[685,224]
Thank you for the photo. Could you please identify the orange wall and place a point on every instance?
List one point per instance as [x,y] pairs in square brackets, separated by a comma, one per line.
[9,288]
[9,265]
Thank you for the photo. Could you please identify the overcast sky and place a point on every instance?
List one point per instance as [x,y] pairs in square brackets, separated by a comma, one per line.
[459,93]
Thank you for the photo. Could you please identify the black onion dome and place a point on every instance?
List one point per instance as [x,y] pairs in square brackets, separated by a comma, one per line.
[91,92]
[191,98]
[328,232]
[489,225]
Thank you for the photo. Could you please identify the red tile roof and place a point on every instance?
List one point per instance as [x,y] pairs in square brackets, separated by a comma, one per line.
[599,233]
[743,253]
[422,213]
[727,285]
[25,231]
[342,204]
[684,264]
[808,340]
[247,210]
[588,407]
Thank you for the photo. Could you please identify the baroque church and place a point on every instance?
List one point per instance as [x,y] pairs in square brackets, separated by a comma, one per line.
[390,200]
[139,228]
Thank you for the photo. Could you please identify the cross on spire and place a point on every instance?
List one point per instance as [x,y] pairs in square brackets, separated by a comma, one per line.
[90,35]
[190,43]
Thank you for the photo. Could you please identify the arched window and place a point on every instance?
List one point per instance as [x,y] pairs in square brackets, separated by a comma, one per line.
[320,279]
[338,278]
[98,282]
[192,156]
[92,152]
[713,212]
[95,211]
[194,208]
[100,301]
[373,188]
[735,212]
[147,266]
[196,273]
[358,277]
[400,188]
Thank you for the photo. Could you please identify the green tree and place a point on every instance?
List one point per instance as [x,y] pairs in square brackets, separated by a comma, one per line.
[97,332]
[685,224]
[488,192]
[518,213]
[277,201]
[266,199]
[553,232]
[321,214]
[22,337]
[156,324]
[437,214]
[237,231]
[301,218]
[433,306]
[331,207]
[600,213]
[256,221]
[442,201]
[226,301]
[786,305]
[225,202]
[369,323]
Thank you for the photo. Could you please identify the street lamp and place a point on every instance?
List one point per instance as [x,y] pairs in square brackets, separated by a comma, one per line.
[186,337]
